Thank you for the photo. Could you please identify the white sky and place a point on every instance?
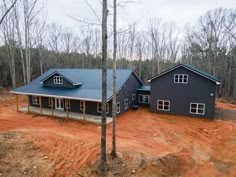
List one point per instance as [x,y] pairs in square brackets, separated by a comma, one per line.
[180,12]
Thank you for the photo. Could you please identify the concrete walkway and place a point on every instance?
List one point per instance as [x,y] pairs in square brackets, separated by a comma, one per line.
[60,113]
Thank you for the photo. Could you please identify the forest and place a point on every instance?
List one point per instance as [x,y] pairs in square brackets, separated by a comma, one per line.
[30,45]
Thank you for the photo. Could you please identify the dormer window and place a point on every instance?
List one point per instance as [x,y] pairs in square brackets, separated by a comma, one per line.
[58,80]
[181,78]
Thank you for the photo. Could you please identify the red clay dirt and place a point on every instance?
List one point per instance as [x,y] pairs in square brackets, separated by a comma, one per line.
[148,144]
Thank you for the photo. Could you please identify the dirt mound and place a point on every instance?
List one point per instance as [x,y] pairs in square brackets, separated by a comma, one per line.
[138,165]
[19,158]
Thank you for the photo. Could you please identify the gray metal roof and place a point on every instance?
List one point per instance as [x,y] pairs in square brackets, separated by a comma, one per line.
[90,89]
[191,68]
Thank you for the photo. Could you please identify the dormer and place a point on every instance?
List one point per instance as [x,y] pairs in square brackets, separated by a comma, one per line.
[61,79]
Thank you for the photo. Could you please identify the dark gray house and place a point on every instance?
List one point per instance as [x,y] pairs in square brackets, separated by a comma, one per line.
[80,90]
[183,90]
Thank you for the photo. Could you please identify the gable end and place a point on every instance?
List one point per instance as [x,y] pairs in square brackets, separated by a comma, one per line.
[201,73]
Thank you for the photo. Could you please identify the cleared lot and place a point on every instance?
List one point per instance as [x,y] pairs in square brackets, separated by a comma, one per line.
[148,144]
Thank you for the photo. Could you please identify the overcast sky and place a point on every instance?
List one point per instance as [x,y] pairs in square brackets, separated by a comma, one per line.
[180,12]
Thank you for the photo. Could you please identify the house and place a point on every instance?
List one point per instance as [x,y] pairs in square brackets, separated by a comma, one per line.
[80,90]
[183,90]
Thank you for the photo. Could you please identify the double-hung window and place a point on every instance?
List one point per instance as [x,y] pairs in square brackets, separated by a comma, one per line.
[67,104]
[143,99]
[126,103]
[197,108]
[163,105]
[50,103]
[81,105]
[118,107]
[99,108]
[58,80]
[35,100]
[134,97]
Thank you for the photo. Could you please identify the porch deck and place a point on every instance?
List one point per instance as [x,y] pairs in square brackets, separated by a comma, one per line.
[63,114]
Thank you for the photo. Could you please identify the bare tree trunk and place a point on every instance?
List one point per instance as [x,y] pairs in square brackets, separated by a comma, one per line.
[103,164]
[114,105]
[8,27]
[20,43]
[41,61]
[12,64]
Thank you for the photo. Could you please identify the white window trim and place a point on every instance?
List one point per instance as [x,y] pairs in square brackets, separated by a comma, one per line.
[143,99]
[178,82]
[133,97]
[81,105]
[35,100]
[126,104]
[118,107]
[204,106]
[49,102]
[107,108]
[58,80]
[67,103]
[163,105]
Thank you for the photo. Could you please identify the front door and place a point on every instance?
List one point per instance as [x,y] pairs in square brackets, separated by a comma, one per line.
[59,104]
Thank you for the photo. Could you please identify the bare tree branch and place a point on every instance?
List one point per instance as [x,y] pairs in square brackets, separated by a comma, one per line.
[8,10]
[93,12]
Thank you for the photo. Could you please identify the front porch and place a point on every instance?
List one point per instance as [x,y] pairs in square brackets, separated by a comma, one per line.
[64,114]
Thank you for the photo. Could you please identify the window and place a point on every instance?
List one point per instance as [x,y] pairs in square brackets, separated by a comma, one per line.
[35,100]
[118,107]
[181,78]
[67,104]
[163,105]
[134,97]
[81,105]
[58,80]
[99,107]
[126,103]
[50,102]
[197,108]
[143,99]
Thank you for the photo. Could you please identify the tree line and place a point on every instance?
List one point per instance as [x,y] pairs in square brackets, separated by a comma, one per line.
[30,46]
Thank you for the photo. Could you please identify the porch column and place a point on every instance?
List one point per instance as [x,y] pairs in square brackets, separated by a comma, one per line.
[84,110]
[67,109]
[17,104]
[40,102]
[52,105]
[28,106]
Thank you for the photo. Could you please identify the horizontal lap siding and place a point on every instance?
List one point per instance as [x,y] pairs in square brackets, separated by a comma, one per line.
[197,90]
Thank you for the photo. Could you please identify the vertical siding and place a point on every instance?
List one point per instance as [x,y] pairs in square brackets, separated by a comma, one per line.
[126,92]
[143,92]
[129,88]
[50,82]
[197,90]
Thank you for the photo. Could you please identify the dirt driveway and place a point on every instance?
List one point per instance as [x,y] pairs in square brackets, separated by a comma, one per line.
[148,144]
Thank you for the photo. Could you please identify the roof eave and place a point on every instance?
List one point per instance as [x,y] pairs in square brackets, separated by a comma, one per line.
[55,96]
[154,77]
